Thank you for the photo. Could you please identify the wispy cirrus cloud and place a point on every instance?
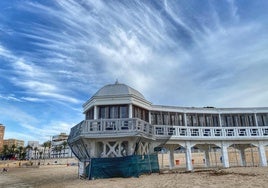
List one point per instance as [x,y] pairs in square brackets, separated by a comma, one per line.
[10,98]
[45,132]
[34,79]
[164,46]
[32,99]
[31,126]
[16,114]
[6,54]
[175,53]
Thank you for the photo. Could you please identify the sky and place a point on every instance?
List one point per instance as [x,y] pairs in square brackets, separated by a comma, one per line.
[54,55]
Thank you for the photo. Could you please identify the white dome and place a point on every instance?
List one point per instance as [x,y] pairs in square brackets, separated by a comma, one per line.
[116,90]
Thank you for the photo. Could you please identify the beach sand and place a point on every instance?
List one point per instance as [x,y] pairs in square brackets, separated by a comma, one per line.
[67,176]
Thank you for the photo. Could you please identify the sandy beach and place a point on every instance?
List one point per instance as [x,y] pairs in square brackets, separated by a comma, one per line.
[67,176]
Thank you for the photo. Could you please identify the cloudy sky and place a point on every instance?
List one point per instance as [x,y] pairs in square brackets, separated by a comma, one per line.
[54,55]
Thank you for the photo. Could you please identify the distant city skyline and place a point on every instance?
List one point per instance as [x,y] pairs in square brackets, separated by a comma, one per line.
[9,141]
[54,55]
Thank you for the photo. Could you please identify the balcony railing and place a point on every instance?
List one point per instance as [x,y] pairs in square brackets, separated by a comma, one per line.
[111,127]
[134,126]
[176,132]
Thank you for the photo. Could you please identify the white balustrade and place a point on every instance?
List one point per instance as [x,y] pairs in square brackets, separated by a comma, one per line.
[177,132]
[130,125]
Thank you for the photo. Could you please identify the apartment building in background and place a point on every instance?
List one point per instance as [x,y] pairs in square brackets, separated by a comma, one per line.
[2,133]
[10,142]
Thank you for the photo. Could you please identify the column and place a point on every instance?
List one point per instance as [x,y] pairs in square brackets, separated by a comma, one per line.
[150,118]
[130,110]
[82,168]
[256,120]
[207,159]
[95,112]
[92,151]
[171,158]
[185,119]
[130,149]
[104,152]
[262,155]
[188,156]
[220,124]
[242,157]
[225,158]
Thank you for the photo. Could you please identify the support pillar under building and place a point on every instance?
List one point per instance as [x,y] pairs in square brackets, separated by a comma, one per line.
[188,156]
[206,149]
[207,158]
[242,157]
[225,158]
[171,158]
[171,149]
[82,168]
[262,155]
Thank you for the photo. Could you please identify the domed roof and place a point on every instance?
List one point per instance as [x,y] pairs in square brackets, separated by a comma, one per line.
[117,89]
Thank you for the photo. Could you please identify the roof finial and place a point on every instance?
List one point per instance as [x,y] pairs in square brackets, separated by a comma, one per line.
[116,82]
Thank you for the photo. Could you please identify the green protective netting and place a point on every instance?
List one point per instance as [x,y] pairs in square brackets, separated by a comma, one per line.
[129,166]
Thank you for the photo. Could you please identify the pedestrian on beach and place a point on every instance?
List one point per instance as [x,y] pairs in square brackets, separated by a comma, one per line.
[4,170]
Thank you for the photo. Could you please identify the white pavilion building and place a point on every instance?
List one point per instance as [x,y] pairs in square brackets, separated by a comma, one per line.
[119,122]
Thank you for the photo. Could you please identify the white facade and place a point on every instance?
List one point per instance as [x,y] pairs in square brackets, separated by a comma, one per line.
[118,118]
[59,146]
[33,144]
[34,151]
